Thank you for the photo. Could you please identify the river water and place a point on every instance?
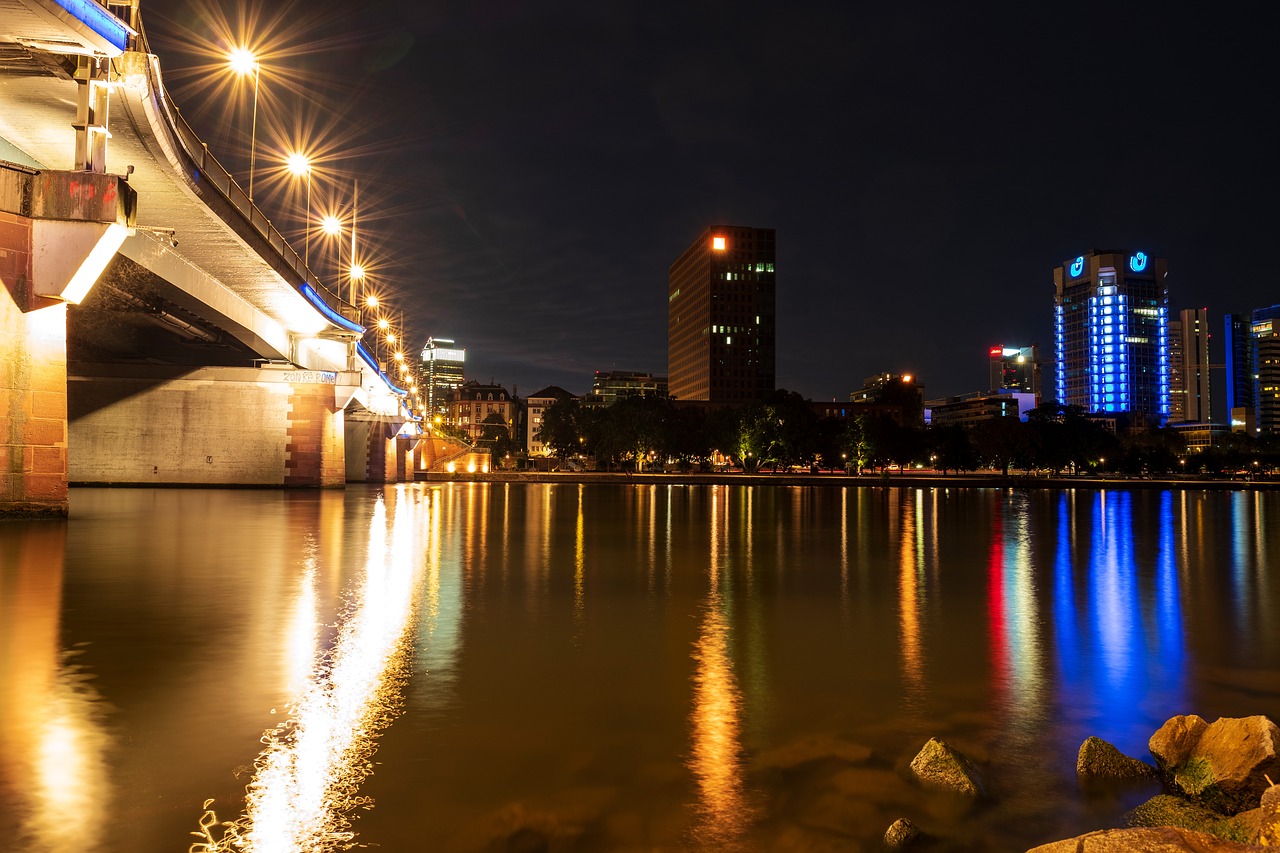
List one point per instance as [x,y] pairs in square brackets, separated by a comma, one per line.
[497,667]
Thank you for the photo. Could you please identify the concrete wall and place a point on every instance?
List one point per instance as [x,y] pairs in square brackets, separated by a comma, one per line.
[33,389]
[212,426]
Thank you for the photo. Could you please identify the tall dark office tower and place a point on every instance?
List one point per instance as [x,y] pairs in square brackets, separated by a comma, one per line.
[720,317]
[1238,351]
[1189,367]
[1264,331]
[1111,333]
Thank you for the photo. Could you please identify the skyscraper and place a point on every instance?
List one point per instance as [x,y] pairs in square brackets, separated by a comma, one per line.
[720,317]
[443,370]
[1111,333]
[1264,332]
[1238,350]
[1189,367]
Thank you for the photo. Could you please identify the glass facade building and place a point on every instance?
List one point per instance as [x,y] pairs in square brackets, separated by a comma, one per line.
[443,371]
[720,317]
[1111,333]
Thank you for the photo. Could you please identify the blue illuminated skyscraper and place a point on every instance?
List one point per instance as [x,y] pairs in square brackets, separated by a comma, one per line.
[1111,333]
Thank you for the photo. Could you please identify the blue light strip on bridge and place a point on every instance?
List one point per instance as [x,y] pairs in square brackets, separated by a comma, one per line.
[329,314]
[99,20]
[369,360]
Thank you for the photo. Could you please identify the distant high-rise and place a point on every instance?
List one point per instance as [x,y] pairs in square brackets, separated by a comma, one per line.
[1264,332]
[1189,367]
[1238,351]
[1016,370]
[443,370]
[1111,333]
[720,317]
[610,386]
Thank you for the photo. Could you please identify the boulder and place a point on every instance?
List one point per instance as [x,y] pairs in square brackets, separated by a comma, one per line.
[902,834]
[1100,760]
[1222,765]
[1163,839]
[939,765]
[1166,810]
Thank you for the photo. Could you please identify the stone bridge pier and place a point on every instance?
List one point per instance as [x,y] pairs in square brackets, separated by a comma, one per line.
[58,230]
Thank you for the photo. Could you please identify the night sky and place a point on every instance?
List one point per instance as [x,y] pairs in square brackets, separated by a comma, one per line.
[529,170]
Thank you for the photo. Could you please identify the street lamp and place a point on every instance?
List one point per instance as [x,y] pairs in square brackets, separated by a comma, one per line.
[300,166]
[332,227]
[242,61]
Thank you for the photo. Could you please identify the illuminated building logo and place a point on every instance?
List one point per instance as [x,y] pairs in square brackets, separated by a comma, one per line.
[1077,266]
[997,351]
[1138,262]
[717,244]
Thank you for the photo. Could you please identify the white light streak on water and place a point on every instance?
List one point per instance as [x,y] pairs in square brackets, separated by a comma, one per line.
[308,777]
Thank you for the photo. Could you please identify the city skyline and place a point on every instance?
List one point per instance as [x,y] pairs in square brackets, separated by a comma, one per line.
[528,173]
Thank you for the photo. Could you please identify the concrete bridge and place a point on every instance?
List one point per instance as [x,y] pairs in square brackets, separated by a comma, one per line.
[155,327]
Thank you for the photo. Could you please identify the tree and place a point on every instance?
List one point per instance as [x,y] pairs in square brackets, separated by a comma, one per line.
[561,427]
[496,436]
[952,448]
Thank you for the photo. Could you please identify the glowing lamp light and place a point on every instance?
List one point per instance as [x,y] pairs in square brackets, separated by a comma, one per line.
[298,164]
[399,356]
[906,377]
[357,272]
[331,225]
[471,467]
[450,467]
[242,61]
[384,324]
[718,244]
[391,338]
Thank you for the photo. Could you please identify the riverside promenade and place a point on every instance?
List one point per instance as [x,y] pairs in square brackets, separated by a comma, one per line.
[913,479]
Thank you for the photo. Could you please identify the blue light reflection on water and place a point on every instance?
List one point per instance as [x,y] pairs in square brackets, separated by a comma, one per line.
[1125,671]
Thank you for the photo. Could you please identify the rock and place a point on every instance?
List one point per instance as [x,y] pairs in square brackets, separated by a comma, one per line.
[1163,839]
[1261,825]
[1168,810]
[1222,765]
[1099,759]
[902,834]
[1165,810]
[939,765]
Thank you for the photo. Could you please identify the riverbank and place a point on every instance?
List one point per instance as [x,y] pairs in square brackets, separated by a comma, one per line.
[917,479]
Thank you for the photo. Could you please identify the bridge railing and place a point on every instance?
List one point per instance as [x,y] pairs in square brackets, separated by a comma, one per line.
[215,175]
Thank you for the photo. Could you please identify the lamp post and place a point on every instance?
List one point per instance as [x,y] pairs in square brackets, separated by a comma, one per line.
[332,226]
[300,166]
[242,62]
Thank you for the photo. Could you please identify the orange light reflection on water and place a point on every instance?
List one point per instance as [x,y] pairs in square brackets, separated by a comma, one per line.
[717,763]
[307,780]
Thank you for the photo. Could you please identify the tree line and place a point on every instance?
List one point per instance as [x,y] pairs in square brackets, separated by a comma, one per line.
[783,431]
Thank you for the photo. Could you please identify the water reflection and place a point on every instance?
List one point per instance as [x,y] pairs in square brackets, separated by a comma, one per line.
[307,780]
[1120,649]
[1013,620]
[53,745]
[717,761]
[911,595]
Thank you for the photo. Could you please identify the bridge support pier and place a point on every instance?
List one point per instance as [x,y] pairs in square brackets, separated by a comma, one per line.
[209,426]
[377,454]
[58,230]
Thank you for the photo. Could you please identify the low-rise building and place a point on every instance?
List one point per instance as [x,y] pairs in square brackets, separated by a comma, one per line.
[536,404]
[469,406]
